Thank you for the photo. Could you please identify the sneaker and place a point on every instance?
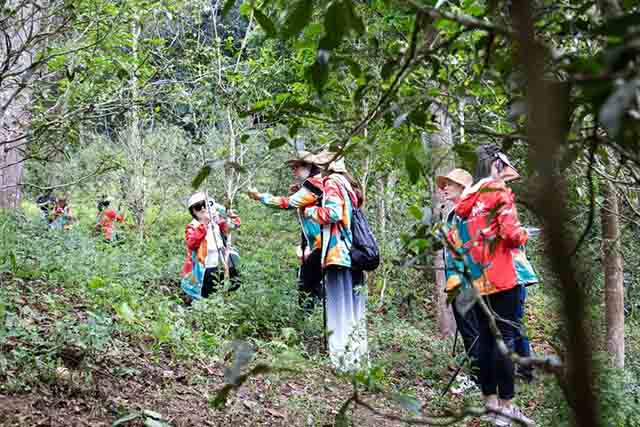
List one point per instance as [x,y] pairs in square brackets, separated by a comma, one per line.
[490,417]
[512,416]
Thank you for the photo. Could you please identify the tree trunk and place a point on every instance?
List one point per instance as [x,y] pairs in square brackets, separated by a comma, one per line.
[15,98]
[613,277]
[612,258]
[134,144]
[442,158]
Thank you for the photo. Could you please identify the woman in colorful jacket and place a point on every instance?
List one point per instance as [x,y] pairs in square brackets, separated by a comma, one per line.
[107,218]
[486,238]
[452,186]
[61,216]
[345,292]
[308,192]
[203,270]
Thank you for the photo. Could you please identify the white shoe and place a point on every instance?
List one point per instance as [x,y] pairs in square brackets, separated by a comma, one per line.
[512,415]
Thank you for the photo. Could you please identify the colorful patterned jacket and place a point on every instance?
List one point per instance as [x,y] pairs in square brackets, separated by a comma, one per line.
[485,238]
[192,272]
[336,212]
[309,194]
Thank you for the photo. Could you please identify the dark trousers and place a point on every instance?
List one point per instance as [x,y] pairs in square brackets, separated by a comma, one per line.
[521,340]
[468,329]
[310,281]
[496,370]
[214,279]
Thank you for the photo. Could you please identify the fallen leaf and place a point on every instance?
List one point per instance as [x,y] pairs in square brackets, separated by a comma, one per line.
[275,413]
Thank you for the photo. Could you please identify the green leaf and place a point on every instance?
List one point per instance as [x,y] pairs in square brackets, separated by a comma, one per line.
[130,417]
[125,312]
[227,8]
[409,403]
[202,175]
[150,422]
[355,22]
[414,168]
[336,25]
[298,18]
[152,414]
[265,22]
[278,142]
[388,68]
[415,212]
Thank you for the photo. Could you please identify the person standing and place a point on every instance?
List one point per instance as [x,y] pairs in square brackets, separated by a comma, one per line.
[203,269]
[61,216]
[345,290]
[107,218]
[485,238]
[452,186]
[308,192]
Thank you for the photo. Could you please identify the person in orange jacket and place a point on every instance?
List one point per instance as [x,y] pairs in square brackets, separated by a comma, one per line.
[107,217]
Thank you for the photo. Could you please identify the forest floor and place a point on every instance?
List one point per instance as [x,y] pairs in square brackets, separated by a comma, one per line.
[153,387]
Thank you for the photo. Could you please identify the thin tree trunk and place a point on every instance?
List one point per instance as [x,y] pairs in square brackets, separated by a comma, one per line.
[442,156]
[613,276]
[613,266]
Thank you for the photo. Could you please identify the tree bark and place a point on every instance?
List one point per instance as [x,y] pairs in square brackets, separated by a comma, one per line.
[442,156]
[613,276]
[15,98]
[612,258]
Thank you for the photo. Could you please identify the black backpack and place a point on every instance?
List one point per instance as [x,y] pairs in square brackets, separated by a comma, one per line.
[365,254]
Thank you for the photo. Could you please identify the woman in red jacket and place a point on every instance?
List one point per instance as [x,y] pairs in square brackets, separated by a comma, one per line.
[490,232]
[205,238]
[107,217]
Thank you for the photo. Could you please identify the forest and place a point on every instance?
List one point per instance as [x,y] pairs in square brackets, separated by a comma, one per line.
[185,186]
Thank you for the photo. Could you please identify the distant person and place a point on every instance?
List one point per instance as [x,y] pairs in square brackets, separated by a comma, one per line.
[452,186]
[486,237]
[107,217]
[205,237]
[306,191]
[46,203]
[61,216]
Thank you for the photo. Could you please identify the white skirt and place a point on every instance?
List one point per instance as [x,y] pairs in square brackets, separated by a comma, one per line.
[346,307]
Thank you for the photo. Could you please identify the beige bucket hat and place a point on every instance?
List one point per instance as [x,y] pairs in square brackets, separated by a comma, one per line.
[300,157]
[325,160]
[459,176]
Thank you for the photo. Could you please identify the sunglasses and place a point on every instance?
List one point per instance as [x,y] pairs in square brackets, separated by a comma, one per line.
[199,206]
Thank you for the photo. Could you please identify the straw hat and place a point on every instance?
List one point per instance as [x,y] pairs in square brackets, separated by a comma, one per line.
[459,176]
[325,159]
[301,156]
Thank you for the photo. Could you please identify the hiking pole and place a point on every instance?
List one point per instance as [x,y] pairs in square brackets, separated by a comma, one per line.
[455,374]
[215,238]
[455,342]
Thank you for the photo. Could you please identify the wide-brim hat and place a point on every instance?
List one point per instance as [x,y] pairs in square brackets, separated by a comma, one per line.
[300,157]
[330,161]
[458,176]
[504,159]
[196,198]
